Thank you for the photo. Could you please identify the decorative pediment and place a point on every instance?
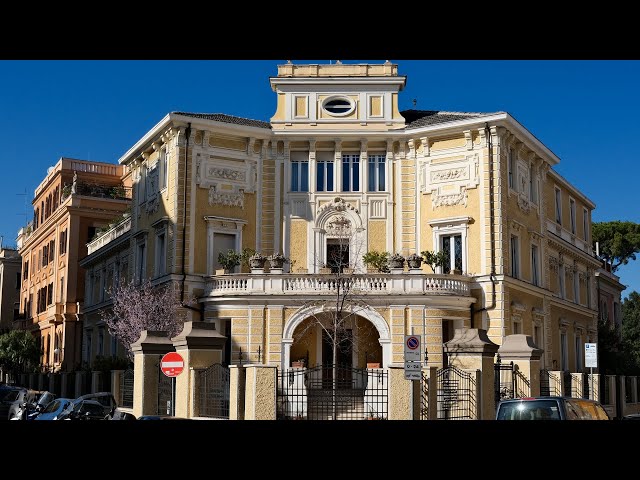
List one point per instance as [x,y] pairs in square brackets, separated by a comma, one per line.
[337,205]
[228,199]
[442,197]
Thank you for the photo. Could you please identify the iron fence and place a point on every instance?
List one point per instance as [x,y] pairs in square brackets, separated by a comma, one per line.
[549,384]
[332,392]
[424,397]
[126,389]
[456,394]
[504,381]
[213,384]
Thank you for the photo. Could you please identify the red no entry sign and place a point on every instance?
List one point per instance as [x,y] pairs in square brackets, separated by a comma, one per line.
[172,364]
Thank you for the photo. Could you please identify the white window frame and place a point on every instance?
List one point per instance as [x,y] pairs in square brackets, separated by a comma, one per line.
[376,159]
[511,163]
[535,265]
[229,226]
[299,158]
[572,214]
[448,227]
[164,168]
[514,252]
[160,246]
[348,161]
[558,200]
[324,157]
[564,350]
[578,347]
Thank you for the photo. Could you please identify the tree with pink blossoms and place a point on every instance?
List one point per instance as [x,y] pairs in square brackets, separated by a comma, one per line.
[142,307]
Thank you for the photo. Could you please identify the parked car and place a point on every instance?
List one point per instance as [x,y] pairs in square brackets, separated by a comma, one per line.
[84,410]
[24,404]
[55,409]
[8,395]
[45,399]
[106,399]
[551,408]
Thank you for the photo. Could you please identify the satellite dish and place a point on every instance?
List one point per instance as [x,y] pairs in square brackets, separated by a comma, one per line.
[49,170]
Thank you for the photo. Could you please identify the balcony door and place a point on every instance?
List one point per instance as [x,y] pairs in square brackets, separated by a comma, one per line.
[337,255]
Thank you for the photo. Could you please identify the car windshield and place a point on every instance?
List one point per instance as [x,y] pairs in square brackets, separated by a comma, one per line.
[90,408]
[52,407]
[45,398]
[11,396]
[529,410]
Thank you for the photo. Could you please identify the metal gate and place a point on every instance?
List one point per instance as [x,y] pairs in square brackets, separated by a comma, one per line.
[165,394]
[456,394]
[213,384]
[312,393]
[549,384]
[126,389]
[504,381]
[424,397]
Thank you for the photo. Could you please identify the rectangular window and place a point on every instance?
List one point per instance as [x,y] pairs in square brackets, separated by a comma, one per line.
[100,341]
[533,187]
[50,294]
[537,336]
[299,171]
[377,169]
[63,242]
[140,264]
[25,272]
[222,243]
[164,168]
[512,167]
[578,353]
[324,172]
[52,250]
[572,213]
[585,224]
[561,280]
[452,246]
[351,173]
[161,254]
[45,255]
[61,290]
[535,272]
[564,354]
[515,257]
[517,327]
[114,346]
[576,287]
[558,206]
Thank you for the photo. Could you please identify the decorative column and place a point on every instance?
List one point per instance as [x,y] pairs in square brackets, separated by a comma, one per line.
[521,350]
[470,349]
[147,352]
[260,392]
[200,345]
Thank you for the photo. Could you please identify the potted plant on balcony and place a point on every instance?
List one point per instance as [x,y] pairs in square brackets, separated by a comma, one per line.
[229,260]
[257,260]
[277,260]
[434,260]
[414,260]
[396,261]
[376,261]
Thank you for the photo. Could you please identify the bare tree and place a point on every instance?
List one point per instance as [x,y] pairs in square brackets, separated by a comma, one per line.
[142,307]
[338,312]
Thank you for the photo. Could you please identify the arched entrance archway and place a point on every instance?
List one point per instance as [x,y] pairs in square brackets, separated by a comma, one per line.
[307,315]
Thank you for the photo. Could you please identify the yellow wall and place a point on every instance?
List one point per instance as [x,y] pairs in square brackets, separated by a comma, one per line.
[377,235]
[447,142]
[299,243]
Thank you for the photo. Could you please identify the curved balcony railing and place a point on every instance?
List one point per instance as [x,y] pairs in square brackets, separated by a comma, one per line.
[318,284]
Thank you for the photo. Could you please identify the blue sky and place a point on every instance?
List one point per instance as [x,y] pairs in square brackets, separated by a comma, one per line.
[585,111]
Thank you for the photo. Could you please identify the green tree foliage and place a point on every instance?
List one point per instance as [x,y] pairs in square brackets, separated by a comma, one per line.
[631,331]
[619,349]
[19,351]
[435,260]
[618,241]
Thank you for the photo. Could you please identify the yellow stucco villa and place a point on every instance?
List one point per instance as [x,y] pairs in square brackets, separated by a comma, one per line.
[338,172]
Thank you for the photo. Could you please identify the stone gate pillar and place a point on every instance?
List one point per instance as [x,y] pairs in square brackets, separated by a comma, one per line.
[471,349]
[147,352]
[521,350]
[260,392]
[200,345]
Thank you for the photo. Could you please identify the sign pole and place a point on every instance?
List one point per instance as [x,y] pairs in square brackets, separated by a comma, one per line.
[173,396]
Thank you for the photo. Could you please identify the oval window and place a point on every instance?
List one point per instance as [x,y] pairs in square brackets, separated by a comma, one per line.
[339,106]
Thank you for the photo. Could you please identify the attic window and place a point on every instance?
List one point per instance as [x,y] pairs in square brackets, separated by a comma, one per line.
[338,106]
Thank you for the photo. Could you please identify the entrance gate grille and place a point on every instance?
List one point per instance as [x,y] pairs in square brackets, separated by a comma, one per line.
[456,394]
[214,391]
[311,393]
[504,381]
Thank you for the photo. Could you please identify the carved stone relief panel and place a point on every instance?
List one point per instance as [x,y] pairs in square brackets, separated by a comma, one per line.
[448,181]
